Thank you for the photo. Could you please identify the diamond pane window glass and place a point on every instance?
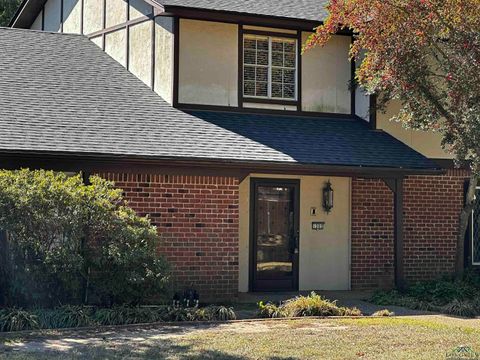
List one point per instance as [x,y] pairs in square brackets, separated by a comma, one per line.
[269,67]
[475,231]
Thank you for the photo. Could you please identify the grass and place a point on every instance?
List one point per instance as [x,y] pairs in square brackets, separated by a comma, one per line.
[429,337]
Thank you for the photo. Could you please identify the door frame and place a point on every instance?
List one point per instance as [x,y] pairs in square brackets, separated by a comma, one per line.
[254,183]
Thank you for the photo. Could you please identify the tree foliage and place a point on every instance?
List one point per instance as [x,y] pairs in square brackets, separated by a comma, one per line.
[75,243]
[426,55]
[7,10]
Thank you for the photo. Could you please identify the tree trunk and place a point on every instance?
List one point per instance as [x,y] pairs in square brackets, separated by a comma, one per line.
[463,223]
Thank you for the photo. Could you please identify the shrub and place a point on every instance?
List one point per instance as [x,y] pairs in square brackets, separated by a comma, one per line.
[123,315]
[74,243]
[315,305]
[269,310]
[446,295]
[354,311]
[312,305]
[17,320]
[64,317]
[464,308]
[221,313]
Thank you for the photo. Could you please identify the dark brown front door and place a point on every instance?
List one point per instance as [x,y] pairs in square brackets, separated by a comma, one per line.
[275,240]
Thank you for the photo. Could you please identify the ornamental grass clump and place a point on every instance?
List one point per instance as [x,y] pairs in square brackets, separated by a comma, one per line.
[384,312]
[17,320]
[66,316]
[214,313]
[311,305]
[125,315]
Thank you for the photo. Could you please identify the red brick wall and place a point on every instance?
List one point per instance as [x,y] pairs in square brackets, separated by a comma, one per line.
[372,235]
[197,219]
[432,205]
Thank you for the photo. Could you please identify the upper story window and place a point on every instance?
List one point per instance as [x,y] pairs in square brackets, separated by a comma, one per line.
[269,67]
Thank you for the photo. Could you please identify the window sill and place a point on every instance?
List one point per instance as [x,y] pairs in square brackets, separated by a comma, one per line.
[270,101]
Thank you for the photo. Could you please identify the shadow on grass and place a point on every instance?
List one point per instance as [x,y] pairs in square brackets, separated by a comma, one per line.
[164,342]
[153,350]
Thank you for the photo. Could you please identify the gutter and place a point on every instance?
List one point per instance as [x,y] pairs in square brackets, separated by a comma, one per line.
[64,161]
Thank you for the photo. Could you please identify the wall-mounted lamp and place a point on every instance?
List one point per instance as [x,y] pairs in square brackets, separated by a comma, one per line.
[328,197]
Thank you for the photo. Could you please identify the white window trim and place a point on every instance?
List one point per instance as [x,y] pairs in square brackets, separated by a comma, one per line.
[270,67]
[472,224]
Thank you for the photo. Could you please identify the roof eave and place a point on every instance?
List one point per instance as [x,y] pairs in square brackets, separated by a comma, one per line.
[240,17]
[29,9]
[104,162]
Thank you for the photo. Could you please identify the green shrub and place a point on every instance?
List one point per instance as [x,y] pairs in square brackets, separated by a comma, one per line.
[312,305]
[446,295]
[67,316]
[315,305]
[17,320]
[180,314]
[71,243]
[442,291]
[220,313]
[269,310]
[354,311]
[464,308]
[123,315]
[79,316]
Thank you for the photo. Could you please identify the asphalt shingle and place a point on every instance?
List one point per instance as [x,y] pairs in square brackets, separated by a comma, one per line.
[62,94]
[301,9]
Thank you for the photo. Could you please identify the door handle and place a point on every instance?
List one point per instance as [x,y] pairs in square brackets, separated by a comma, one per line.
[296,242]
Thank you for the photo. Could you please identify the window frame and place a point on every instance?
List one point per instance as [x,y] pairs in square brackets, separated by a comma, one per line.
[292,37]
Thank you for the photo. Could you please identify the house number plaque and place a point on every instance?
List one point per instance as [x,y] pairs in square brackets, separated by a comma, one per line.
[318,225]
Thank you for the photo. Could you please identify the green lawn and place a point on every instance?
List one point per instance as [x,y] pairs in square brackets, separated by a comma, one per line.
[366,338]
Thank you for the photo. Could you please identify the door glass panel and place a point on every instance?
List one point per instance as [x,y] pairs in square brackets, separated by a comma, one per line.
[275,232]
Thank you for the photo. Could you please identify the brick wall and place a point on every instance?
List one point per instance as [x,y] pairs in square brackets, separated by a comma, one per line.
[432,205]
[197,219]
[372,235]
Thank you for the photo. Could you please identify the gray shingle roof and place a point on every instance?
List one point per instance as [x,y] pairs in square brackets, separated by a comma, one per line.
[62,94]
[295,9]
[311,10]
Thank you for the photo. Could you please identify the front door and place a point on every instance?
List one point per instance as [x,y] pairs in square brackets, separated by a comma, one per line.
[275,235]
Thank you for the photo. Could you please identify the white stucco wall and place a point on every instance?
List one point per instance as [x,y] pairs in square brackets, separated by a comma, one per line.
[326,73]
[116,12]
[116,45]
[72,15]
[140,51]
[164,48]
[139,8]
[92,16]
[427,143]
[208,63]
